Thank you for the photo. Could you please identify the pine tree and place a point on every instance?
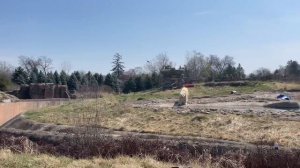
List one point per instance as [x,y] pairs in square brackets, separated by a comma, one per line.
[84,80]
[78,75]
[63,77]
[116,84]
[240,72]
[72,82]
[56,78]
[139,83]
[293,68]
[118,67]
[93,82]
[155,79]
[98,78]
[50,77]
[34,76]
[129,86]
[89,77]
[229,73]
[108,80]
[148,82]
[41,77]
[19,76]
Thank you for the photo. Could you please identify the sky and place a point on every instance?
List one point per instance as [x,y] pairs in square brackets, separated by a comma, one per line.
[87,33]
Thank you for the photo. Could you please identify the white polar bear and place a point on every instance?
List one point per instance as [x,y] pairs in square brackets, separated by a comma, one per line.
[184,96]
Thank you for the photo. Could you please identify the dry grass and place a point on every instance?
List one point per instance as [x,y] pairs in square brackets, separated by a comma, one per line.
[108,112]
[9,159]
[200,90]
[286,86]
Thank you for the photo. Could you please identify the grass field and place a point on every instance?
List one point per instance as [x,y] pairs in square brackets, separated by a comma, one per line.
[112,112]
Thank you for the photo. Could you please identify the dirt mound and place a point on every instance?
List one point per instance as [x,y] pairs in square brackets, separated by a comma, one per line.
[284,105]
[4,97]
[231,83]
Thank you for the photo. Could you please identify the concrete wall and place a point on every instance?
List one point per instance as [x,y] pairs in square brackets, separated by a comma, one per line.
[10,110]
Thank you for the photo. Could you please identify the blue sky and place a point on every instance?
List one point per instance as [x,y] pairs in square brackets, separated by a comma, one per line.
[87,33]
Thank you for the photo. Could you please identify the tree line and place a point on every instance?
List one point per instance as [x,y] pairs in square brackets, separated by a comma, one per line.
[197,68]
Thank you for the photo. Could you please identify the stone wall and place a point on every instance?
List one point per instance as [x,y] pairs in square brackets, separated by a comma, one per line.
[42,91]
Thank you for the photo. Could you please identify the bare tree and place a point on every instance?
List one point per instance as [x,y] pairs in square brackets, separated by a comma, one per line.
[196,66]
[6,68]
[66,66]
[163,61]
[45,64]
[138,70]
[263,74]
[150,67]
[216,66]
[225,62]
[29,63]
[160,62]
[130,72]
[5,75]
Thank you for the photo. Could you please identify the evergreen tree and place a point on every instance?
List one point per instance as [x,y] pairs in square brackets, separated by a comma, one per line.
[41,77]
[118,67]
[139,83]
[229,73]
[34,76]
[63,77]
[293,68]
[19,76]
[240,72]
[155,79]
[78,75]
[84,80]
[129,86]
[50,77]
[56,78]
[72,82]
[89,77]
[116,84]
[93,82]
[108,80]
[98,78]
[148,82]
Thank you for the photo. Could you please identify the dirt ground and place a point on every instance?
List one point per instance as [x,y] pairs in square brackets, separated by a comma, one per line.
[248,104]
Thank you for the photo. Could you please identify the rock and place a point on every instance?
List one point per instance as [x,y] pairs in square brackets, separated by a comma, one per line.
[233,92]
[7,98]
[6,101]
